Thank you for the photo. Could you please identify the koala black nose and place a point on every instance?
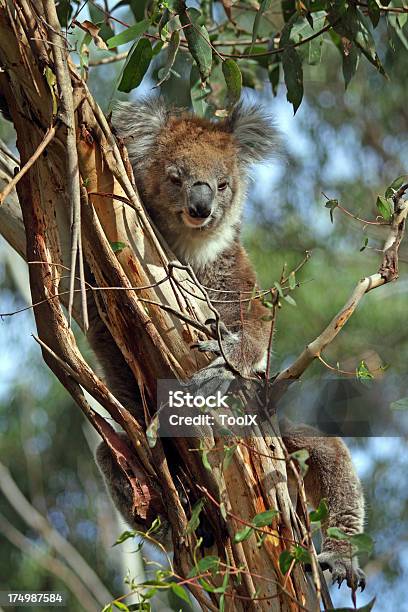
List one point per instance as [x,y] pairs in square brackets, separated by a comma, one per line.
[200,200]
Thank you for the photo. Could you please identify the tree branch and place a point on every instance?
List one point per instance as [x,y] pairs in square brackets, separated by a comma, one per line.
[388,271]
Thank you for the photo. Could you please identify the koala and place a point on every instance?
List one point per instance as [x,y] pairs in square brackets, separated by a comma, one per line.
[191,174]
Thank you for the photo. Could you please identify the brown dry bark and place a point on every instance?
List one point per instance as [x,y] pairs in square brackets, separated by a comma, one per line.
[154,341]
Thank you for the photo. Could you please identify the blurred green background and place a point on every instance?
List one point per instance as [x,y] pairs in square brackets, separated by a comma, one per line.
[348,144]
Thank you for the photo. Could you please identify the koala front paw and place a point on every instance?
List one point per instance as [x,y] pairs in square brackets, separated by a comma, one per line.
[228,339]
[214,377]
[343,568]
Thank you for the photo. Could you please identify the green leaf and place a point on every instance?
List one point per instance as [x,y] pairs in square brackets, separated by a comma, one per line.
[293,73]
[274,75]
[395,185]
[157,47]
[285,561]
[401,404]
[98,18]
[280,291]
[264,6]
[198,41]
[363,373]
[198,92]
[243,534]
[264,518]
[126,535]
[300,554]
[292,281]
[298,28]
[121,606]
[321,512]
[289,299]
[180,592]
[374,12]
[204,565]
[118,246]
[367,608]
[233,80]
[364,245]
[173,47]
[385,208]
[194,521]
[204,458]
[395,24]
[351,59]
[301,457]
[337,534]
[64,12]
[332,204]
[136,66]
[129,34]
[354,26]
[52,84]
[362,542]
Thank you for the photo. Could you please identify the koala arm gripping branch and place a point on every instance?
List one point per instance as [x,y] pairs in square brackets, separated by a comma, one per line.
[331,476]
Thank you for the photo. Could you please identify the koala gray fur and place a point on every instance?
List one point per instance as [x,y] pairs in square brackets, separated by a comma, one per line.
[191,175]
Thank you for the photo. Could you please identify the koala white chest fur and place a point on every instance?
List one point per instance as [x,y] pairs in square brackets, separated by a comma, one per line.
[191,174]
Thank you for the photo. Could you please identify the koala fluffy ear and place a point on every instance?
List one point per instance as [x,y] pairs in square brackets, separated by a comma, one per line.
[139,124]
[254,132]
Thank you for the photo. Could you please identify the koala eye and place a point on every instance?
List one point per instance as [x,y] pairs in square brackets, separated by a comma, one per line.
[222,185]
[175,179]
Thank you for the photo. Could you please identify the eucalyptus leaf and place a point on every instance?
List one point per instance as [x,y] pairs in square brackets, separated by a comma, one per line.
[136,66]
[129,34]
[264,518]
[199,93]
[171,56]
[293,73]
[195,516]
[384,206]
[243,534]
[285,561]
[233,80]
[198,41]
[321,512]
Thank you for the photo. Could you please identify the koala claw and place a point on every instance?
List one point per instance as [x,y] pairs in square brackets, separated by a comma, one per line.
[342,568]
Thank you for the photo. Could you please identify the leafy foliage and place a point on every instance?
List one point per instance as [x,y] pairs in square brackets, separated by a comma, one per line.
[233,46]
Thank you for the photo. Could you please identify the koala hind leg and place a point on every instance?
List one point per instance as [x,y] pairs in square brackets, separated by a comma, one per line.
[331,475]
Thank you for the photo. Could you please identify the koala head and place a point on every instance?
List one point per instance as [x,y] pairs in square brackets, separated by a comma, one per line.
[191,172]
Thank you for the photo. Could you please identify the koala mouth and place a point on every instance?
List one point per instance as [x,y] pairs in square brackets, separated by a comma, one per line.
[194,222]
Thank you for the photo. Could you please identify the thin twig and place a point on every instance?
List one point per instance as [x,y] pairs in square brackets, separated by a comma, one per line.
[67,117]
[49,135]
[388,272]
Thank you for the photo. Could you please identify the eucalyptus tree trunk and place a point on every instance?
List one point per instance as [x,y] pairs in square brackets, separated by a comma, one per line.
[78,198]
